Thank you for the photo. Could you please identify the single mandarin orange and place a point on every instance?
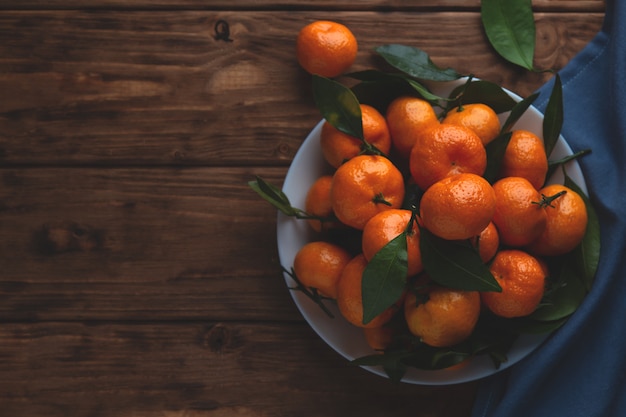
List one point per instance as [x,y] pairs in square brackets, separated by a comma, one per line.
[522,279]
[478,117]
[379,338]
[487,242]
[444,150]
[326,48]
[350,296]
[319,265]
[386,226]
[458,207]
[407,118]
[566,222]
[519,216]
[441,316]
[338,147]
[364,186]
[525,156]
[318,204]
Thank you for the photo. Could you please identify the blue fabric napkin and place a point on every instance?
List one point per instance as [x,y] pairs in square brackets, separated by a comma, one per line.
[581,369]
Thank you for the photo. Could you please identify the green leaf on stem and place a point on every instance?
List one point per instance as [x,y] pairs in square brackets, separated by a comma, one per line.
[554,165]
[495,154]
[455,264]
[311,293]
[384,278]
[338,105]
[415,62]
[553,117]
[510,28]
[274,196]
[375,77]
[484,92]
[587,254]
[564,293]
[518,111]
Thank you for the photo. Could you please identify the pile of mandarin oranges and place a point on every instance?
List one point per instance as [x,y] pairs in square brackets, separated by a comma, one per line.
[514,223]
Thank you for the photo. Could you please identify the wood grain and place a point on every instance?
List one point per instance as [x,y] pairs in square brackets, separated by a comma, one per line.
[198,370]
[139,275]
[126,243]
[542,5]
[154,88]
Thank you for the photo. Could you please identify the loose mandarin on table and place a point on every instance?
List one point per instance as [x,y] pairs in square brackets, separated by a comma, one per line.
[326,48]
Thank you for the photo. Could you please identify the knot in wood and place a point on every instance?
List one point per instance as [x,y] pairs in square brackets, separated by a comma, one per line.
[217,338]
[222,31]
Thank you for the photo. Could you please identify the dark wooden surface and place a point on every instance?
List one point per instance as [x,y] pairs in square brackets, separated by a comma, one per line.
[139,275]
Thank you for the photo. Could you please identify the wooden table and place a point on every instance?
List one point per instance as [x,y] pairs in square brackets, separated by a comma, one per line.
[139,274]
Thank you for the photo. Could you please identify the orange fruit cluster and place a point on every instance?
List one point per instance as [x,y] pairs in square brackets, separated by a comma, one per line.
[513,223]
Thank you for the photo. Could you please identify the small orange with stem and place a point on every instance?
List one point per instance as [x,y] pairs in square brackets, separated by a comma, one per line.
[519,215]
[364,186]
[566,221]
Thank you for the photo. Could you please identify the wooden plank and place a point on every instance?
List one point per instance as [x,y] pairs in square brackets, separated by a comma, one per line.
[542,5]
[138,88]
[198,370]
[158,243]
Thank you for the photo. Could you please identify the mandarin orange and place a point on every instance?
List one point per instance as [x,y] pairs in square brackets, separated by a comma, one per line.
[522,278]
[364,186]
[458,207]
[326,48]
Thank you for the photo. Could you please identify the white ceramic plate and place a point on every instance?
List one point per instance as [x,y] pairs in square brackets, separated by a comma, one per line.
[346,339]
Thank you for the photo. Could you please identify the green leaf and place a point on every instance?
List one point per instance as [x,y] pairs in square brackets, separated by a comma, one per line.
[553,165]
[510,28]
[338,105]
[587,254]
[392,363]
[274,196]
[384,278]
[518,111]
[415,62]
[455,264]
[484,92]
[564,298]
[375,77]
[495,154]
[553,117]
[311,293]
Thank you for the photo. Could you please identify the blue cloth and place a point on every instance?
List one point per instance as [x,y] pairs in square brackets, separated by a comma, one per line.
[581,369]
